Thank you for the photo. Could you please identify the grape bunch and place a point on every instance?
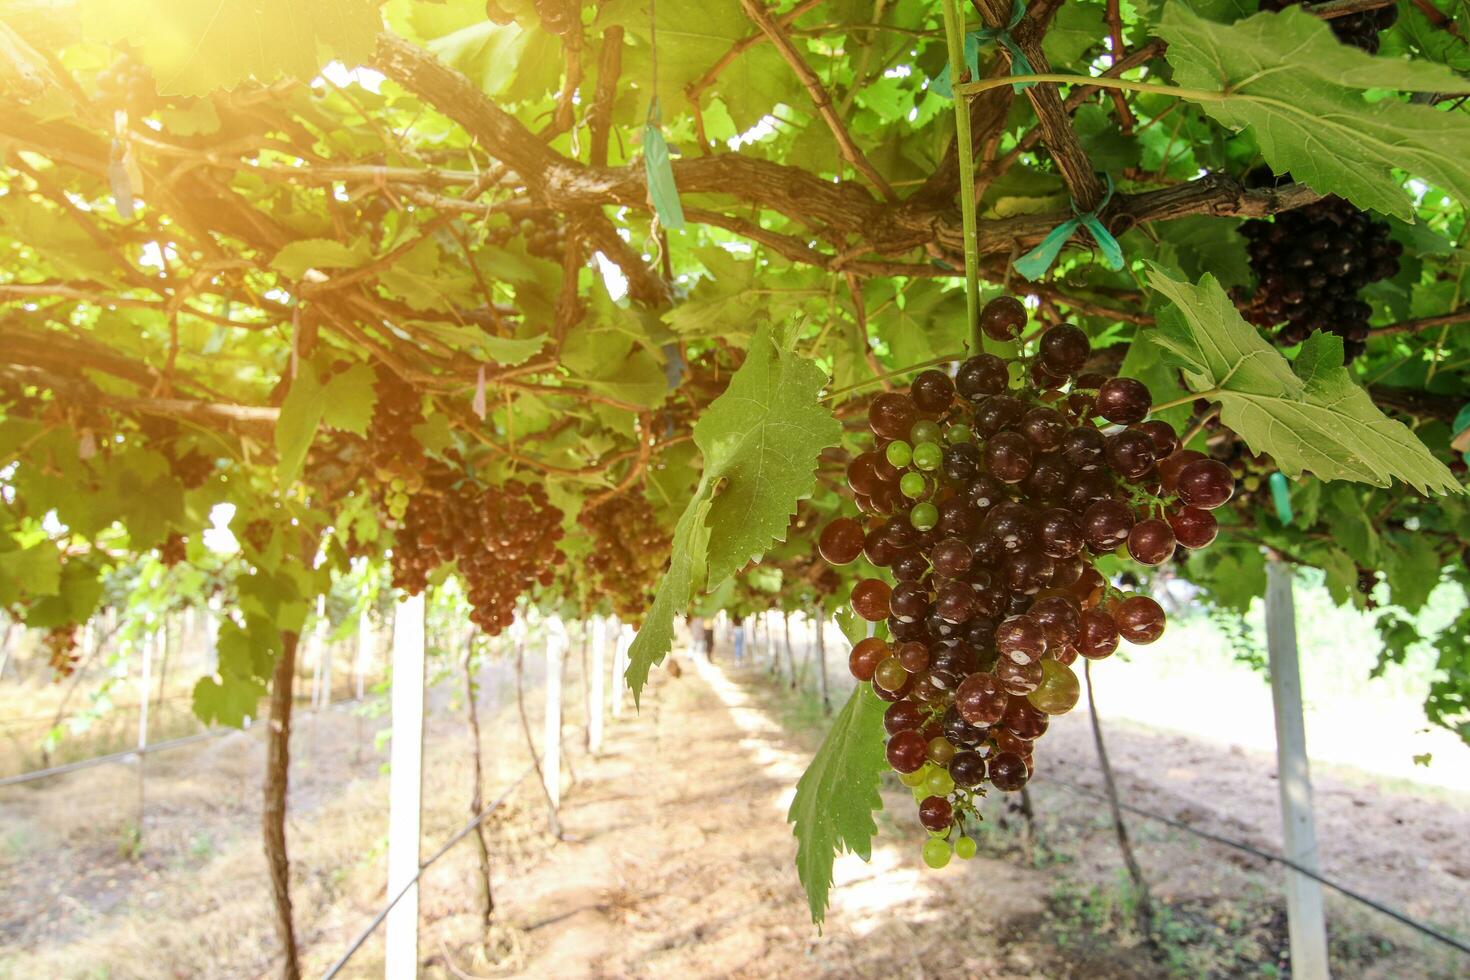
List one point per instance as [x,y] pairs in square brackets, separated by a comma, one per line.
[504,539]
[397,457]
[1310,264]
[544,238]
[175,549]
[61,650]
[127,84]
[1360,29]
[987,500]
[193,468]
[629,552]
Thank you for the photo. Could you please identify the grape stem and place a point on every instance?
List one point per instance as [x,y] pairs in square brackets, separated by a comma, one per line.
[1186,400]
[954,32]
[880,378]
[1097,81]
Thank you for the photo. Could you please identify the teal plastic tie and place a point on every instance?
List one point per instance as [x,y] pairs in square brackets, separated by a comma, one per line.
[943,84]
[1033,264]
[661,189]
[1281,497]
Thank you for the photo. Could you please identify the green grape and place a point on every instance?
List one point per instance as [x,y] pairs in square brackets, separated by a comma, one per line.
[913,485]
[924,431]
[1058,691]
[924,516]
[958,433]
[397,484]
[928,456]
[936,852]
[964,848]
[899,453]
[939,782]
[917,777]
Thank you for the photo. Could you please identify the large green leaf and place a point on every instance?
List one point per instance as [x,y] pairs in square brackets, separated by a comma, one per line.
[197,46]
[344,402]
[760,441]
[836,796]
[1312,416]
[1301,93]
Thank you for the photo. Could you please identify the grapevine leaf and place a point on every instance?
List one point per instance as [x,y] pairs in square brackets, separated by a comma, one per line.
[1300,92]
[344,402]
[301,413]
[1413,567]
[30,571]
[195,48]
[760,441]
[837,795]
[320,253]
[1315,419]
[226,702]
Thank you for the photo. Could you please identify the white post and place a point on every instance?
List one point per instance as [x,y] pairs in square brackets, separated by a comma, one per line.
[145,683]
[365,643]
[211,633]
[620,667]
[323,650]
[1304,915]
[598,682]
[405,788]
[556,645]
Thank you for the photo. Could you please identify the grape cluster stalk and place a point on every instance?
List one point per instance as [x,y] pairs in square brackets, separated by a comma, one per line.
[1310,265]
[503,538]
[987,498]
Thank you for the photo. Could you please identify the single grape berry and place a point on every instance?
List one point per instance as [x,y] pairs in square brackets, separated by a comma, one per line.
[981,699]
[866,655]
[932,391]
[841,541]
[1003,318]
[965,848]
[1008,772]
[1123,401]
[1059,689]
[1206,484]
[1130,454]
[1063,350]
[1106,524]
[1194,528]
[891,415]
[936,852]
[870,599]
[1151,542]
[967,769]
[902,716]
[1018,679]
[982,376]
[1140,619]
[890,675]
[935,813]
[1008,457]
[907,751]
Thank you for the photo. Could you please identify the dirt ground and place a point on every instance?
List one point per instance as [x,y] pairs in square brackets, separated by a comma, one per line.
[677,860]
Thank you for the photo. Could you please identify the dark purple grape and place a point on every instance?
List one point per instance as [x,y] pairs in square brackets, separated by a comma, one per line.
[932,391]
[982,376]
[891,415]
[1003,318]
[1063,350]
[841,541]
[1008,457]
[1123,401]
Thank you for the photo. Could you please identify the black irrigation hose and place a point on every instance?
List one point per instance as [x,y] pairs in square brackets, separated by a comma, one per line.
[1392,913]
[424,866]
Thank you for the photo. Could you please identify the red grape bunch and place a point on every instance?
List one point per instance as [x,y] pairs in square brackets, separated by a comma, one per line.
[61,650]
[629,552]
[503,538]
[987,501]
[1310,264]
[397,457]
